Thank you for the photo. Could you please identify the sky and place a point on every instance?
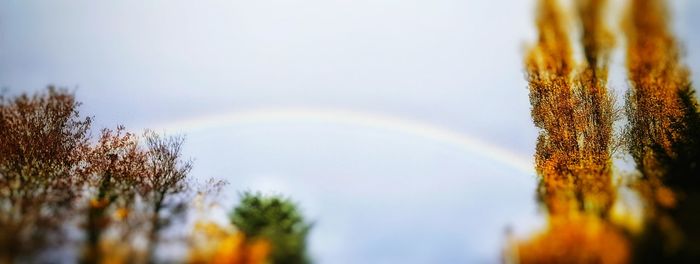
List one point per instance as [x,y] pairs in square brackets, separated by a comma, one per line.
[401,127]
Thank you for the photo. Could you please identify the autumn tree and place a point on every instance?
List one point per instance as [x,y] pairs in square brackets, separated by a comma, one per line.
[573,109]
[43,146]
[594,112]
[117,164]
[575,113]
[663,135]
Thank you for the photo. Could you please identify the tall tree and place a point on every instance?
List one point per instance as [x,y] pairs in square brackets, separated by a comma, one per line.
[573,110]
[663,134]
[575,114]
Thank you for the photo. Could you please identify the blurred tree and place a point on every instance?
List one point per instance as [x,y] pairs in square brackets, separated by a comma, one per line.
[275,219]
[663,135]
[164,186]
[573,110]
[117,165]
[575,114]
[43,148]
[594,112]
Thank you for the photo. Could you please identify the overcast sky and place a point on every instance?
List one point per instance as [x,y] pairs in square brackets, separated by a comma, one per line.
[400,126]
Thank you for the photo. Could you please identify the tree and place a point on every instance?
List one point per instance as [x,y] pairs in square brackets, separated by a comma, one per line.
[573,110]
[165,184]
[117,165]
[275,219]
[575,114]
[663,135]
[43,146]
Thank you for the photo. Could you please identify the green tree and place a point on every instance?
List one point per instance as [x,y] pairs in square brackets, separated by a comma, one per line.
[276,219]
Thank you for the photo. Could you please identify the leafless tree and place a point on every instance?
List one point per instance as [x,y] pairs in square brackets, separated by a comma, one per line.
[165,184]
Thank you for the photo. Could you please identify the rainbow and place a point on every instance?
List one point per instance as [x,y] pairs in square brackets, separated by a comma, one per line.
[354,118]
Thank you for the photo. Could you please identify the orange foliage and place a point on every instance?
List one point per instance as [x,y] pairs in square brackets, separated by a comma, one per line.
[664,133]
[549,64]
[576,239]
[573,110]
[216,244]
[655,109]
[575,114]
[595,37]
